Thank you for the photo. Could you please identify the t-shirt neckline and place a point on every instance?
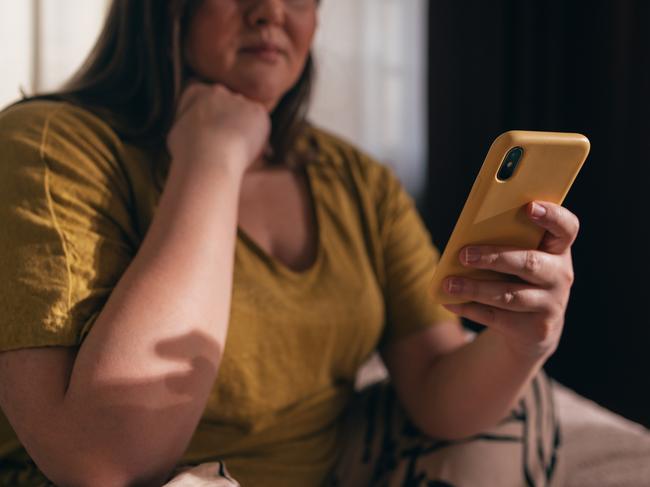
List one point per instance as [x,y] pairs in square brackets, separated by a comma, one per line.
[279,266]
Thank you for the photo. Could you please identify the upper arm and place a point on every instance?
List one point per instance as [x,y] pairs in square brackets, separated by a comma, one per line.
[417,330]
[409,259]
[408,359]
[67,227]
[67,238]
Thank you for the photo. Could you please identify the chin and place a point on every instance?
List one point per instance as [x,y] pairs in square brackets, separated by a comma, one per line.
[266,94]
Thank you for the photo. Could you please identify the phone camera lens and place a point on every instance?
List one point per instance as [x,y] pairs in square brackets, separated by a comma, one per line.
[510,163]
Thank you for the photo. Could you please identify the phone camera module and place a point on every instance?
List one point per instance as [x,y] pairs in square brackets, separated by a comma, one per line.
[510,163]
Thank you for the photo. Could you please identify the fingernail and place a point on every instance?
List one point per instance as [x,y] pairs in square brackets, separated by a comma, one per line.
[537,211]
[472,254]
[454,285]
[454,308]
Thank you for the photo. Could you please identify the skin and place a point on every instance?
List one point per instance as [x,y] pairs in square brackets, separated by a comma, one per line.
[222,32]
[120,409]
[530,315]
[525,320]
[272,199]
[442,381]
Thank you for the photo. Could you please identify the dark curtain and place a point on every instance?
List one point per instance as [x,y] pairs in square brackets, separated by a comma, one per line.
[559,65]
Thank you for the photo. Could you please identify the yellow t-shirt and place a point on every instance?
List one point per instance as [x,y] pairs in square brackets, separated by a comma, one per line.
[75,204]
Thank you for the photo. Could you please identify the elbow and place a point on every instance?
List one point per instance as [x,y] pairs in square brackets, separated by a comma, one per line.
[451,429]
[445,433]
[70,459]
[83,479]
[77,476]
[95,472]
[107,479]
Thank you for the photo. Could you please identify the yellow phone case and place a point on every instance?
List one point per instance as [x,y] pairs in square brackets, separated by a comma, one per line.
[494,213]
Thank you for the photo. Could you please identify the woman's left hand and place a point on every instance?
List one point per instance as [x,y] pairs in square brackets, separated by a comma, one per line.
[529,314]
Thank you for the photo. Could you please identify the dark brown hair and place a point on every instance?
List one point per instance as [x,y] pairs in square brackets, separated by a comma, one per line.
[133,76]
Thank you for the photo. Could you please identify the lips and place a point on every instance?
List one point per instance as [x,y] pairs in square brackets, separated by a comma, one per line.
[264,50]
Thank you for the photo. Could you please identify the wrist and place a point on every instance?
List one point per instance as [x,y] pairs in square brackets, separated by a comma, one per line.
[527,356]
[228,163]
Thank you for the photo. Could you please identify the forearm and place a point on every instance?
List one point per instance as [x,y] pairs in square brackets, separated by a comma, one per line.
[472,388]
[142,376]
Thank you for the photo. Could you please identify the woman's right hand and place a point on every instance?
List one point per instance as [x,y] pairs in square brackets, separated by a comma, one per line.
[217,126]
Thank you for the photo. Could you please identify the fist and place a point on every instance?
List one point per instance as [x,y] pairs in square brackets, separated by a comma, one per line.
[214,125]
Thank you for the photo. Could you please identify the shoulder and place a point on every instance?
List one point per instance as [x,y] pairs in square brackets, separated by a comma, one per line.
[37,112]
[68,137]
[40,121]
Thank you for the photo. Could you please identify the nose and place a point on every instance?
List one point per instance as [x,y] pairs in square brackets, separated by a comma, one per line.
[266,12]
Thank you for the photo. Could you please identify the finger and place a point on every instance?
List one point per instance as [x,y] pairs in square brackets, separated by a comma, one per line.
[562,225]
[190,93]
[500,320]
[534,337]
[532,266]
[503,295]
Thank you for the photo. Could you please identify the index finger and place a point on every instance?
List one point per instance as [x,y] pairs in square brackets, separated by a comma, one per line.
[562,225]
[188,95]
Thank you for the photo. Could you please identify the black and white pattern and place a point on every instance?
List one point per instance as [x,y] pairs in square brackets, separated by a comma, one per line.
[385,449]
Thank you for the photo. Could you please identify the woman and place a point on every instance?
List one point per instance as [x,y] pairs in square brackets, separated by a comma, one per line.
[197,275]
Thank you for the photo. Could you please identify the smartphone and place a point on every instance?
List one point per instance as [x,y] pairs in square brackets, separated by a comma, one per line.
[520,167]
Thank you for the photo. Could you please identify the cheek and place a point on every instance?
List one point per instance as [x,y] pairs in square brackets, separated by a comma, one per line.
[211,34]
[303,36]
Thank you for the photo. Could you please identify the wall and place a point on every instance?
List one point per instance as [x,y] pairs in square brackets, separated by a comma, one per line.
[43,42]
[580,66]
[370,56]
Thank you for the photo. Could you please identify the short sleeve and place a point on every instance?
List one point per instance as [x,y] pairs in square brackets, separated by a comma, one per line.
[409,259]
[66,233]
